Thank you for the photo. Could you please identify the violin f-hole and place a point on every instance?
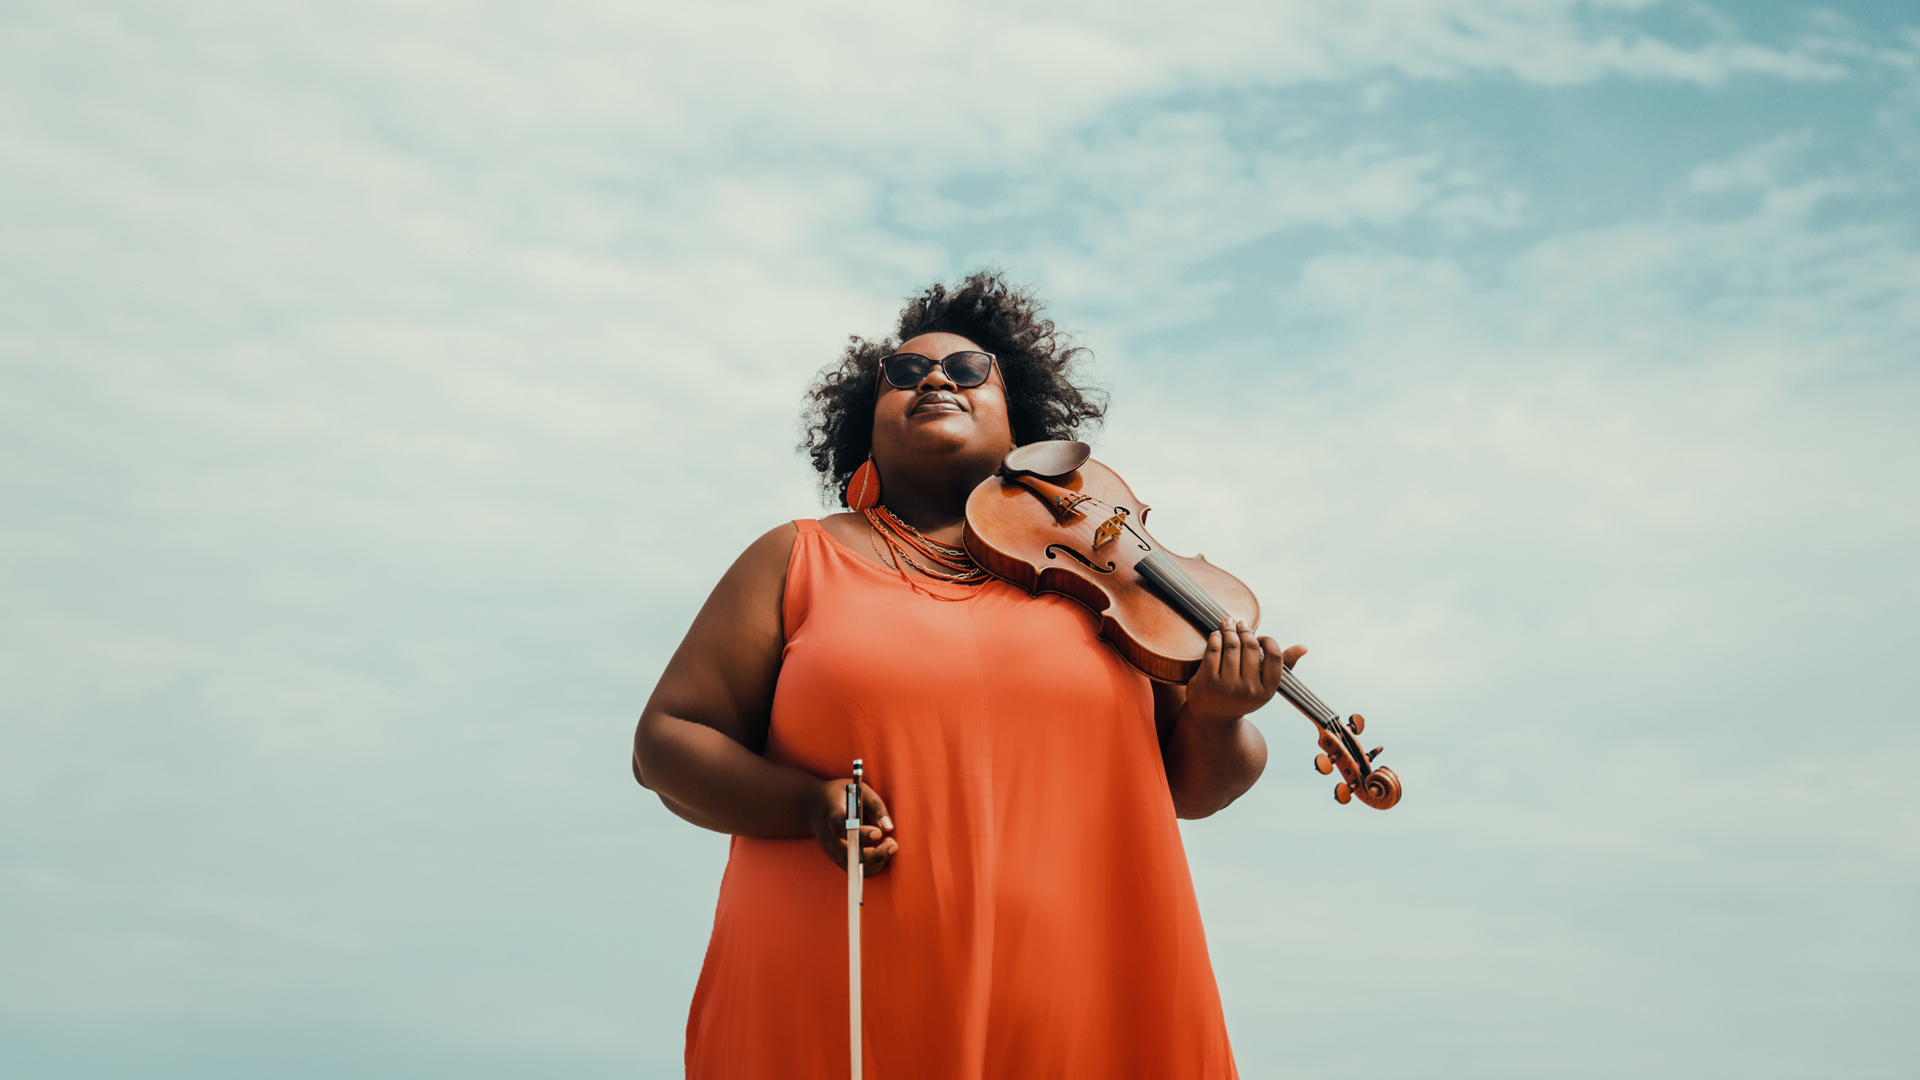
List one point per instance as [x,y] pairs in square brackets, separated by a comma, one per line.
[1079,558]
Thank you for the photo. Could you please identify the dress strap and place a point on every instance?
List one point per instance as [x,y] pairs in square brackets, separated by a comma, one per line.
[802,567]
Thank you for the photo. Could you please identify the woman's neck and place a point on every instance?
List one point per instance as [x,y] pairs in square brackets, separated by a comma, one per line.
[943,520]
[930,491]
[935,504]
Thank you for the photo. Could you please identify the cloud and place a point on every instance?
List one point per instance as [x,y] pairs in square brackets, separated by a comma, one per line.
[382,389]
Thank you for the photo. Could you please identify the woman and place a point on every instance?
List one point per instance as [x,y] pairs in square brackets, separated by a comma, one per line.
[1029,911]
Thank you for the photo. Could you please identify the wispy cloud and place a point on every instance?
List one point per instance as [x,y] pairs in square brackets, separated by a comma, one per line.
[382,387]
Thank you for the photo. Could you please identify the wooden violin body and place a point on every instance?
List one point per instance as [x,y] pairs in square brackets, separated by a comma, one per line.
[1014,536]
[1054,520]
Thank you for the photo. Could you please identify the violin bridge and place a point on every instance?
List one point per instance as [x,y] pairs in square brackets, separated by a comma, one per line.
[1110,528]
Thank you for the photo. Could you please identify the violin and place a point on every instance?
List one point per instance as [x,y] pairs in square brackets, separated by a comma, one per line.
[1054,520]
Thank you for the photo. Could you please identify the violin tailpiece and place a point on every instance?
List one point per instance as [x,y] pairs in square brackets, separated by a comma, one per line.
[1064,503]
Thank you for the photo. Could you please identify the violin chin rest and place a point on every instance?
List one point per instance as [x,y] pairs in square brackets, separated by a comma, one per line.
[1052,458]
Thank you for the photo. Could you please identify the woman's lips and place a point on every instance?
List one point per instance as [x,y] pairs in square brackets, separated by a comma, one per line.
[938,402]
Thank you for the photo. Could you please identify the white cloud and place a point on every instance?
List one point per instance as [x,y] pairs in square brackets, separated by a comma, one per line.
[382,388]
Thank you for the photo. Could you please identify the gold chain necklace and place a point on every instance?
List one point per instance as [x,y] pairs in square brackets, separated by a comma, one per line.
[903,539]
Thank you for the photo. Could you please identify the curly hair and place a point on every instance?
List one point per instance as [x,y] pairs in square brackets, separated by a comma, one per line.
[1037,361]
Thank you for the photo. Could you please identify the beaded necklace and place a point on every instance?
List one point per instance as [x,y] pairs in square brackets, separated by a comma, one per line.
[954,564]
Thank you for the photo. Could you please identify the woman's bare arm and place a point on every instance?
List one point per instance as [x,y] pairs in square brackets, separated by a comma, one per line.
[699,741]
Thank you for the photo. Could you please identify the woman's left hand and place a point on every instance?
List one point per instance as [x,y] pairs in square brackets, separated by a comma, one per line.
[1237,675]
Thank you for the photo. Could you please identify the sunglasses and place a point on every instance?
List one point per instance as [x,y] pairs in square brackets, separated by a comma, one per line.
[905,370]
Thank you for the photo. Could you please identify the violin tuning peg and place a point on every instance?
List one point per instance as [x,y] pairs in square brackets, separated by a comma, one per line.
[1323,763]
[1342,794]
[1375,752]
[1357,722]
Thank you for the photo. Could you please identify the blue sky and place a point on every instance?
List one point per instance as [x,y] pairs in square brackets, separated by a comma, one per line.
[383,386]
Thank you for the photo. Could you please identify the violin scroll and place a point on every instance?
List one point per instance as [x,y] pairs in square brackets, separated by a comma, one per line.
[1378,788]
[1381,789]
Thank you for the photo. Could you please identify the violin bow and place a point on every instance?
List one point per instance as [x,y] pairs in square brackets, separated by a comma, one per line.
[856,881]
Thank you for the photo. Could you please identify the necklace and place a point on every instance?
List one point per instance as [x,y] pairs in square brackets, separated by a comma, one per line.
[950,562]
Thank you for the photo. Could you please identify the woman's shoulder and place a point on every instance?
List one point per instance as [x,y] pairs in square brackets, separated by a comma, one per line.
[768,557]
[771,555]
[772,549]
[763,565]
[849,528]
[853,534]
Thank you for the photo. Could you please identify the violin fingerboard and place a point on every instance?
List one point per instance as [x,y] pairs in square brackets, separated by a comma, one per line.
[1181,592]
[1185,595]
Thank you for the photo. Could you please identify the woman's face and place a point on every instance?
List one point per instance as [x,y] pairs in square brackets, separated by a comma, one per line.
[937,418]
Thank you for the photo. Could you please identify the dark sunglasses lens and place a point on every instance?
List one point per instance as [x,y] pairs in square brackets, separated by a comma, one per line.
[905,370]
[968,368]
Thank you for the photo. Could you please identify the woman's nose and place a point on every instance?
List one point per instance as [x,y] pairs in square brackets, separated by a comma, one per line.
[936,379]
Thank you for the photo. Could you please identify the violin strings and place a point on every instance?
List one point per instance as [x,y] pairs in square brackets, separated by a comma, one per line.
[1298,692]
[1199,606]
[1203,608]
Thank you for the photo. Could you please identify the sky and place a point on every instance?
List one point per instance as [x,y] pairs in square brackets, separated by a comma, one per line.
[383,386]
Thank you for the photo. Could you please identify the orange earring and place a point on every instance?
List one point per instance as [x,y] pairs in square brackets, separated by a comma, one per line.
[863,487]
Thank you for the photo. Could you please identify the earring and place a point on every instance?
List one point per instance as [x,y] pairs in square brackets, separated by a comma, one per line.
[863,487]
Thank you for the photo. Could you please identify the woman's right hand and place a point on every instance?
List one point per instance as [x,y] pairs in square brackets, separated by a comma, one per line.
[829,820]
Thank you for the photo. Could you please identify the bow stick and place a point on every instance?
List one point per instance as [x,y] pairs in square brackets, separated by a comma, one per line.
[856,878]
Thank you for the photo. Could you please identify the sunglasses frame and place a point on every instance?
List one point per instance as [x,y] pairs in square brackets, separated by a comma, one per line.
[992,362]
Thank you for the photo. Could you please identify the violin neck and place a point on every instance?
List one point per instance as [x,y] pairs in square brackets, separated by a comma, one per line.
[1306,701]
[1204,612]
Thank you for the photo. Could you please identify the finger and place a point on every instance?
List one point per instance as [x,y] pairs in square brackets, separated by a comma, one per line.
[873,808]
[1293,654]
[1210,663]
[1270,672]
[1229,651]
[876,857]
[1250,658]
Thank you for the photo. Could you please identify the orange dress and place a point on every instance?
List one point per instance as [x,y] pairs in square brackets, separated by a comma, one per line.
[1039,920]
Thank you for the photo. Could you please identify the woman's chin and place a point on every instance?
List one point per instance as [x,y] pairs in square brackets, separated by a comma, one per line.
[941,428]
